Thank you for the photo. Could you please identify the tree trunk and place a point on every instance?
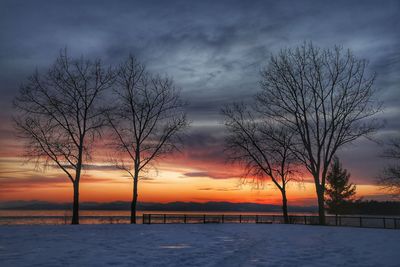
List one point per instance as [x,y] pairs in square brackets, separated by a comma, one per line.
[134,200]
[75,207]
[321,204]
[284,207]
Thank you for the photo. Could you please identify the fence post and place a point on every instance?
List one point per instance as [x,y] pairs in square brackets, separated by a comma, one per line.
[165,218]
[395,223]
[256,218]
[223,218]
[149,218]
[340,221]
[384,222]
[204,218]
[305,220]
[184,218]
[273,218]
[360,221]
[240,218]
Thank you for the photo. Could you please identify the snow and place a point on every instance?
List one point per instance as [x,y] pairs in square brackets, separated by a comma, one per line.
[197,245]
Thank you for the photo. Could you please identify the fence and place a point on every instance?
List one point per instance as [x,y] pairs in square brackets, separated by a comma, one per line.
[354,221]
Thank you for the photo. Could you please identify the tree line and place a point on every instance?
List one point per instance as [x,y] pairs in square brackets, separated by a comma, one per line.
[311,103]
[370,207]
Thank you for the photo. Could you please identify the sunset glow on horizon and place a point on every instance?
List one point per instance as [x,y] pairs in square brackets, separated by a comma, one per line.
[163,184]
[189,176]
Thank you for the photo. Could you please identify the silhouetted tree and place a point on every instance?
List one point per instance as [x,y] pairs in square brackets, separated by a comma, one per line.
[339,190]
[60,115]
[324,96]
[146,120]
[372,207]
[391,175]
[263,149]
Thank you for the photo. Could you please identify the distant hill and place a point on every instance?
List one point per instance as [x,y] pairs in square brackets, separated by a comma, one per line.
[172,206]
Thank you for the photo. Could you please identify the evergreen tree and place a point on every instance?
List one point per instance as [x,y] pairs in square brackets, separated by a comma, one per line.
[339,189]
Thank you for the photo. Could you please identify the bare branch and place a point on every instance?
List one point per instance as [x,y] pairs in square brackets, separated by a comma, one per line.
[147,118]
[60,114]
[326,97]
[390,179]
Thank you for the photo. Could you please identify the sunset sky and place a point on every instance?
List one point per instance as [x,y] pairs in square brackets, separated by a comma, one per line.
[214,52]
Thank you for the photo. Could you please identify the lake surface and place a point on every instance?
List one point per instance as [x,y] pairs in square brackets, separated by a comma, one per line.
[52,217]
[24,217]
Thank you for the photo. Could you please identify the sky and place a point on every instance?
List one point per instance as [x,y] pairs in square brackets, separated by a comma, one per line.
[214,51]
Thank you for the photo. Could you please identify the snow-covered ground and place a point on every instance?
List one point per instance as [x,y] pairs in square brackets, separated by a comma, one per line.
[197,245]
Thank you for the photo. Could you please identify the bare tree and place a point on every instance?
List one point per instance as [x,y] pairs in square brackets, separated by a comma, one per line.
[60,116]
[262,148]
[391,175]
[326,97]
[146,121]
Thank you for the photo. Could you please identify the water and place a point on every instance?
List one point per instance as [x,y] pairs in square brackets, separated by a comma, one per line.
[29,217]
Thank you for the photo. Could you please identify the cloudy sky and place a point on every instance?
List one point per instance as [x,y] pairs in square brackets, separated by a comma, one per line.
[214,51]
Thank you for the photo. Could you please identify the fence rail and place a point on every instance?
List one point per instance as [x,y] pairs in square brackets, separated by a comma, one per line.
[352,221]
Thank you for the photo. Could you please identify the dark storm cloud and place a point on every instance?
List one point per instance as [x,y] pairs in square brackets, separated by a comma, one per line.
[213,49]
